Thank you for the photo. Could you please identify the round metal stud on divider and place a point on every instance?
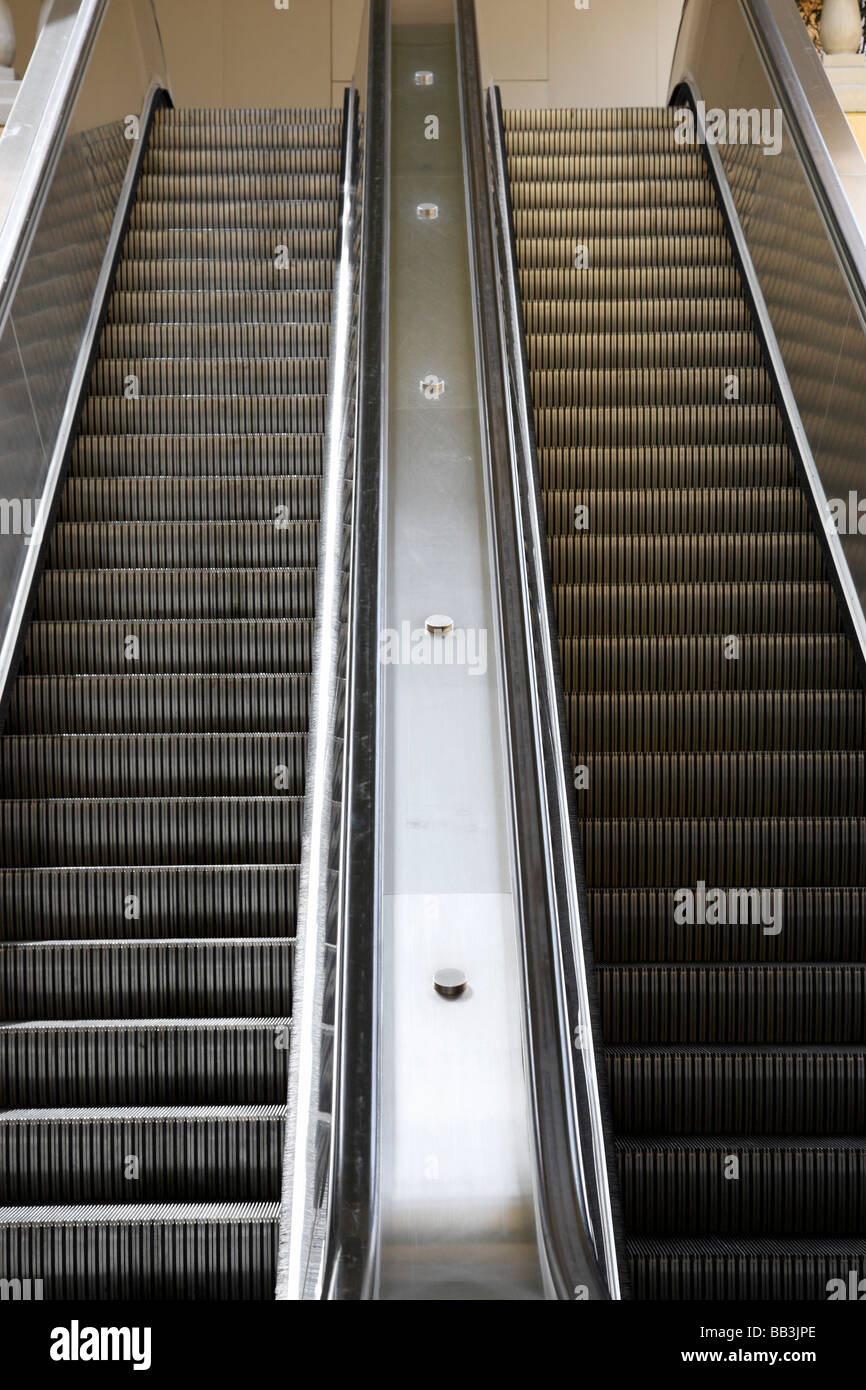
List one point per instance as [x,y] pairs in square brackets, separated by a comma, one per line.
[450,983]
[424,78]
[427,212]
[439,624]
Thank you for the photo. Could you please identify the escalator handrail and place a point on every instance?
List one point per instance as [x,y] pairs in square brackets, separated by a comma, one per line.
[572,1199]
[571,928]
[350,1265]
[302,1207]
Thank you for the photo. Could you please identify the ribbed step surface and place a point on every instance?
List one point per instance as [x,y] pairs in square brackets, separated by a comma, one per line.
[717,722]
[152,768]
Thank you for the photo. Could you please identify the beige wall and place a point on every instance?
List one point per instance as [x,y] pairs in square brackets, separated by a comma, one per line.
[541,52]
[244,52]
[547,53]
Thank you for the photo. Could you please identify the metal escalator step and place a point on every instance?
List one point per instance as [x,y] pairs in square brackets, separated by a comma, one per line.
[797,1185]
[562,354]
[201,159]
[208,213]
[240,900]
[647,559]
[219,306]
[621,315]
[682,510]
[633,388]
[159,704]
[627,610]
[238,119]
[193,545]
[152,830]
[686,191]
[789,1269]
[177,593]
[222,276]
[821,924]
[226,341]
[719,1004]
[590,118]
[223,414]
[763,661]
[666,466]
[238,187]
[151,765]
[584,162]
[580,222]
[54,980]
[803,851]
[734,423]
[655,282]
[683,785]
[220,645]
[530,142]
[143,1252]
[138,1061]
[818,1089]
[80,1156]
[88,499]
[230,243]
[280,133]
[211,456]
[213,376]
[709,721]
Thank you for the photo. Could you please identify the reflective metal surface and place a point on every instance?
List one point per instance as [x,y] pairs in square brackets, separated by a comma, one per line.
[457,1208]
[67,170]
[350,1267]
[309,1121]
[575,1214]
[796,216]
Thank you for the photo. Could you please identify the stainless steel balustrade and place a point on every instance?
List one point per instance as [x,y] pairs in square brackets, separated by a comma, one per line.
[575,1209]
[349,1262]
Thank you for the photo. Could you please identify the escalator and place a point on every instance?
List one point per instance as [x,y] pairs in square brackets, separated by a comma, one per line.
[716,719]
[432,840]
[152,767]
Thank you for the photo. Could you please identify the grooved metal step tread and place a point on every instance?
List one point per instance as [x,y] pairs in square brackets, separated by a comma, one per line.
[683,785]
[708,609]
[681,510]
[151,765]
[159,704]
[82,1156]
[647,352]
[191,545]
[171,978]
[207,900]
[228,592]
[210,456]
[665,466]
[238,376]
[821,924]
[763,661]
[219,306]
[216,646]
[186,499]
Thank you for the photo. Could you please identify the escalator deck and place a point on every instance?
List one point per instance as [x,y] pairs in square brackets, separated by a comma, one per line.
[152,766]
[713,700]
